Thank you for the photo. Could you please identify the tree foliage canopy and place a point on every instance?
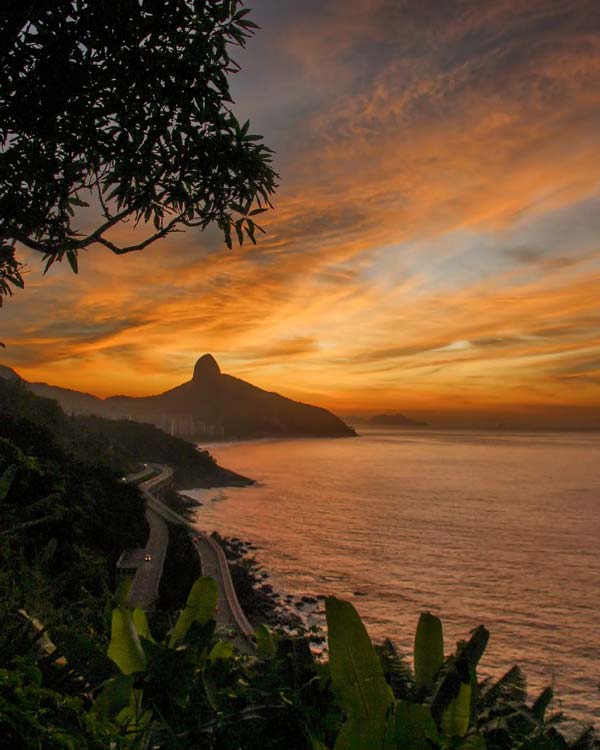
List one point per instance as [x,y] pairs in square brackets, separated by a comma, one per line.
[122,109]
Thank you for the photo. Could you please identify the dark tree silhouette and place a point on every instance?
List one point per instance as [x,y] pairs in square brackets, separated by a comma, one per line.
[120,109]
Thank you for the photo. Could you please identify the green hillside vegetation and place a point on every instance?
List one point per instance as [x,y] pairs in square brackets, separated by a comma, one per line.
[120,445]
[81,671]
[65,516]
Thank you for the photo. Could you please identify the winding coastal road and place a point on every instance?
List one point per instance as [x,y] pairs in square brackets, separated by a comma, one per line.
[144,589]
[230,614]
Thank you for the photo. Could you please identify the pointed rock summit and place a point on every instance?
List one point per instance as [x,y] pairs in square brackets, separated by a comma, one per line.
[206,369]
[210,406]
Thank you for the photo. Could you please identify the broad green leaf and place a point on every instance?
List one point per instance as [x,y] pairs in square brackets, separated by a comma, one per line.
[357,734]
[266,642]
[122,592]
[125,648]
[541,704]
[200,608]
[133,718]
[357,678]
[415,726]
[114,696]
[456,717]
[140,622]
[222,650]
[429,649]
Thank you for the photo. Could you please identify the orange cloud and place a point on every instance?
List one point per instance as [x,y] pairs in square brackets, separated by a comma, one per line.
[429,159]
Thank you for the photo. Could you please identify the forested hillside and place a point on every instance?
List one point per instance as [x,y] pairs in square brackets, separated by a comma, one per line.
[119,445]
[80,671]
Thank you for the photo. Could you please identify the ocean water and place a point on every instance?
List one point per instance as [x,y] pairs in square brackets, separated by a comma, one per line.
[500,529]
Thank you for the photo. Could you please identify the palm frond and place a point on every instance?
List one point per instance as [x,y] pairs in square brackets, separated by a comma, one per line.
[509,690]
[396,669]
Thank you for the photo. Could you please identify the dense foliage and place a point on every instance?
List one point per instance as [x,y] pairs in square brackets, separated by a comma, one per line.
[123,107]
[191,689]
[119,445]
[103,676]
[63,523]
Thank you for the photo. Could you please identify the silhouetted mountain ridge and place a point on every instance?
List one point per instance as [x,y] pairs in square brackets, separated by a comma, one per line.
[216,405]
[212,405]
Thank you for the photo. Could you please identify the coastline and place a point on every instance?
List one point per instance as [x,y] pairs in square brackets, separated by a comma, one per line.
[387,529]
[261,601]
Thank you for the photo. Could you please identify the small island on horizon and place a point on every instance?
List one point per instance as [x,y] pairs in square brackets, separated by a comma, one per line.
[394,419]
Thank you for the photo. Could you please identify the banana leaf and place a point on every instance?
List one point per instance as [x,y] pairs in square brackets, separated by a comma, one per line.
[429,649]
[358,680]
[200,607]
[125,648]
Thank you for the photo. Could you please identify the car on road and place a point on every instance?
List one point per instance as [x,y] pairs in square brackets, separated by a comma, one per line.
[147,558]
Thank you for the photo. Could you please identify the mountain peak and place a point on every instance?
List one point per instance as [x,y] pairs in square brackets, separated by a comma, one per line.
[206,368]
[8,373]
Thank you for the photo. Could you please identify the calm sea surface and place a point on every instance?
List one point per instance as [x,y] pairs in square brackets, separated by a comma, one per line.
[500,529]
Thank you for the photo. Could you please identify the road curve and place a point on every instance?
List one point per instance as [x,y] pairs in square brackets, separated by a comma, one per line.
[144,588]
[230,614]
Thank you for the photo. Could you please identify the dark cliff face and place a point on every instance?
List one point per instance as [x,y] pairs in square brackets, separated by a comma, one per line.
[212,406]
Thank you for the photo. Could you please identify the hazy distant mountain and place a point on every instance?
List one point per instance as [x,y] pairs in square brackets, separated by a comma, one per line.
[396,420]
[391,420]
[210,406]
[72,402]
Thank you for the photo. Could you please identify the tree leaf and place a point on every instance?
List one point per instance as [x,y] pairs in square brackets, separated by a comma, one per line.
[428,650]
[200,607]
[222,650]
[266,642]
[125,648]
[72,258]
[114,696]
[140,622]
[414,726]
[122,592]
[357,678]
[457,715]
[542,702]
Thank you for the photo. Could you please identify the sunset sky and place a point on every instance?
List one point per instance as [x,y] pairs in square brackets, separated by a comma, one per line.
[435,242]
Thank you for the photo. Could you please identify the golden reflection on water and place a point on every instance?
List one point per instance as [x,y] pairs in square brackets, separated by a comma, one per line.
[479,528]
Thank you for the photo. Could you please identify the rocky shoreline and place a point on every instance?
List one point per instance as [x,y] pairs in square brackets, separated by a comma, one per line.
[263,604]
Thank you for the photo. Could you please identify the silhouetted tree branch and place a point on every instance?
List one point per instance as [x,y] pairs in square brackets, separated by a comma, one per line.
[122,109]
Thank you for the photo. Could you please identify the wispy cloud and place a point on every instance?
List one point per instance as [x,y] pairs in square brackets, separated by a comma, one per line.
[434,239]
